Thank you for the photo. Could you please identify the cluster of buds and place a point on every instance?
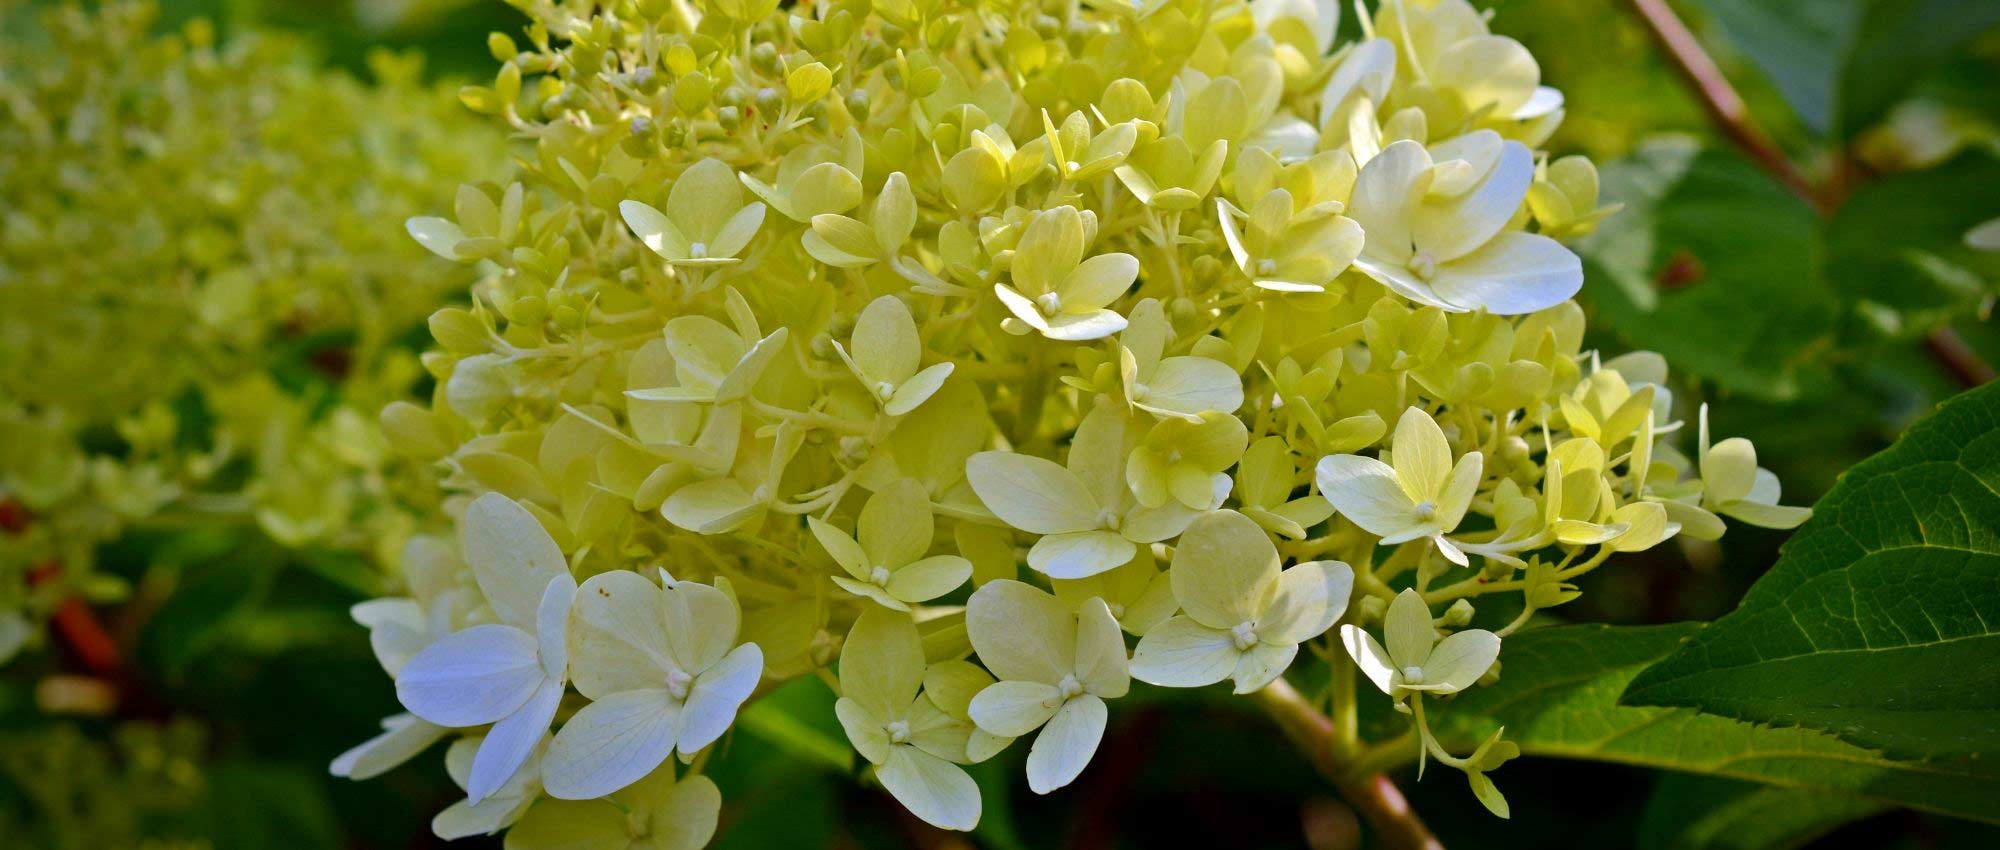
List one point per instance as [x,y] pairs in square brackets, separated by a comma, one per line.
[978,359]
[200,310]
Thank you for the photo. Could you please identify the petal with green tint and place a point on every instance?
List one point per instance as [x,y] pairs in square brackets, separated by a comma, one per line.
[1182,653]
[1224,569]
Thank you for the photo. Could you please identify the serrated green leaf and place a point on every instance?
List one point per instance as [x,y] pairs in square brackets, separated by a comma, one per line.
[1688,812]
[1558,697]
[1878,622]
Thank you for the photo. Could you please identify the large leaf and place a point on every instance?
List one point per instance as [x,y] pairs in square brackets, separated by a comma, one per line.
[1842,63]
[1881,620]
[1558,697]
[1690,812]
[1721,269]
[1713,265]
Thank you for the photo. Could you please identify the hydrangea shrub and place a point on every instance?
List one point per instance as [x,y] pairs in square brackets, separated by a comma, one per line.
[981,359]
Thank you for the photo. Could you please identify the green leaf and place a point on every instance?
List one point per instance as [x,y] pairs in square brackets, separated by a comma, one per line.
[1688,812]
[1712,264]
[1899,243]
[1558,697]
[1878,622]
[1842,63]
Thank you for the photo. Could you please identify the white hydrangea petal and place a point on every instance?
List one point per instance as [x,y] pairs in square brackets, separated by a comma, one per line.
[1766,516]
[1513,274]
[1066,743]
[1460,659]
[936,732]
[403,737]
[1262,664]
[1311,596]
[1101,664]
[1182,653]
[511,555]
[716,695]
[511,741]
[687,819]
[938,792]
[1080,554]
[918,389]
[1386,194]
[552,625]
[397,629]
[1030,493]
[845,551]
[1020,632]
[886,344]
[1192,386]
[610,744]
[1013,709]
[1729,470]
[1366,492]
[1224,569]
[1450,230]
[471,677]
[1369,655]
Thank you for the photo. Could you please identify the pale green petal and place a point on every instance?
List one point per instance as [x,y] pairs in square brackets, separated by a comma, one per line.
[847,553]
[1224,569]
[1460,659]
[1420,455]
[1181,653]
[511,555]
[1098,281]
[1191,386]
[938,733]
[951,685]
[702,623]
[1408,629]
[1012,709]
[1101,665]
[1766,516]
[1261,664]
[896,525]
[1365,491]
[654,230]
[704,197]
[1514,274]
[882,663]
[610,744]
[864,730]
[737,232]
[1369,655]
[1020,632]
[929,578]
[1079,554]
[918,389]
[1729,470]
[1031,493]
[886,346]
[938,792]
[1311,596]
[618,635]
[1066,744]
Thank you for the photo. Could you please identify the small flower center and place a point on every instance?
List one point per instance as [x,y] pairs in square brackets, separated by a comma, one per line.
[899,731]
[1140,391]
[1109,519]
[884,389]
[1173,456]
[1426,509]
[1117,610]
[1072,165]
[1049,303]
[879,575]
[678,682]
[698,250]
[1423,265]
[1069,686]
[1266,268]
[1244,635]
[1413,675]
[761,494]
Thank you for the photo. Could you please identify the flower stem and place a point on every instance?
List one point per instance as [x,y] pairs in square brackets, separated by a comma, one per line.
[1373,795]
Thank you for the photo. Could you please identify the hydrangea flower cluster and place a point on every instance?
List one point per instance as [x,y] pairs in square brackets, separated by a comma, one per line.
[200,310]
[979,359]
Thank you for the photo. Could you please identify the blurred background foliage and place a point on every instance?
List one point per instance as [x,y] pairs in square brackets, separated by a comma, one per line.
[1828,314]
